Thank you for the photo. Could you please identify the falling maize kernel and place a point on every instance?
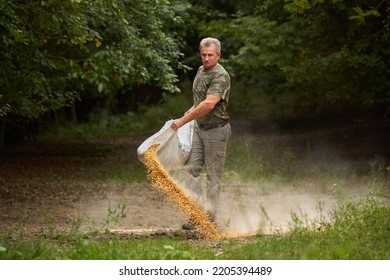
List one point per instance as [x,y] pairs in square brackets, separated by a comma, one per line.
[161,180]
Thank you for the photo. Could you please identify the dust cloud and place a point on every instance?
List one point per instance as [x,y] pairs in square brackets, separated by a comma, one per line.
[259,209]
[243,209]
[270,213]
[263,207]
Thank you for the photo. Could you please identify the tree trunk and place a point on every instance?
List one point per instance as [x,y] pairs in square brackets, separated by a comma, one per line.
[2,131]
[73,113]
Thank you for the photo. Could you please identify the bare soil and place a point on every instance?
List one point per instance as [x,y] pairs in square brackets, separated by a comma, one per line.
[57,185]
[54,186]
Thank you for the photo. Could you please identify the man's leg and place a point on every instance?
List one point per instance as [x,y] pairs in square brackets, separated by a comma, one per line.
[215,144]
[194,166]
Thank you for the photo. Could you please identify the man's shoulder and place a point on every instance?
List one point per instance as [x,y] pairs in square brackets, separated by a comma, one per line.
[220,70]
[216,74]
[221,74]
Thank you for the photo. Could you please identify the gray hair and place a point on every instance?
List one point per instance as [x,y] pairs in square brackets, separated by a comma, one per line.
[206,42]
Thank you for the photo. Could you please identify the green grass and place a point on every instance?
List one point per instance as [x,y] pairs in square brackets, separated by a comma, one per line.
[148,119]
[356,230]
[127,172]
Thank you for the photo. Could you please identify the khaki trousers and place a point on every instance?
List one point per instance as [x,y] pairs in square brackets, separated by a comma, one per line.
[208,152]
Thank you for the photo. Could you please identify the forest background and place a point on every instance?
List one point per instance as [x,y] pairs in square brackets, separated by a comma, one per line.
[84,82]
[81,61]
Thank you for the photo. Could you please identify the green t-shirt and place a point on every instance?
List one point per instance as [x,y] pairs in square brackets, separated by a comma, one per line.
[216,82]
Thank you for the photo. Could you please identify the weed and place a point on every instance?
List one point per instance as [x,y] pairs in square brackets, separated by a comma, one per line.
[170,252]
[354,230]
[115,215]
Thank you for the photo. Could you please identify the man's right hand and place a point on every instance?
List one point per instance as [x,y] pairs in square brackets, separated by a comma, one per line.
[176,124]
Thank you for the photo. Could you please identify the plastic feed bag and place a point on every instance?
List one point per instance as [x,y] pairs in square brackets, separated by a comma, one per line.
[174,146]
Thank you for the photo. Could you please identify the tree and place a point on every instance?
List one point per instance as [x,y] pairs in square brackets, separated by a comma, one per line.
[316,51]
[54,51]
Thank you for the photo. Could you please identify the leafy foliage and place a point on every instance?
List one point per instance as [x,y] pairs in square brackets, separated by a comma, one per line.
[310,53]
[56,52]
[316,51]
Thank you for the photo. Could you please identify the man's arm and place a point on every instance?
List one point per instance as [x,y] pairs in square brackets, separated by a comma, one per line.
[205,107]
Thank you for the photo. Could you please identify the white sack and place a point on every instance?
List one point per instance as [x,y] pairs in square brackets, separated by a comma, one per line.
[174,146]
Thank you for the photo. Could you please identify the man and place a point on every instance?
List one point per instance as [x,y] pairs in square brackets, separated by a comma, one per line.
[211,90]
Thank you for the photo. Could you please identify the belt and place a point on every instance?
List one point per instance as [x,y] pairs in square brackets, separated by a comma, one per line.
[213,125]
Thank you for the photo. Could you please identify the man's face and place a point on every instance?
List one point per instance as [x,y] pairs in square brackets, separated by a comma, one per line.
[209,56]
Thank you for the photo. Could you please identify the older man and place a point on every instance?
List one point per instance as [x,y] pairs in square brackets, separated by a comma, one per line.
[211,90]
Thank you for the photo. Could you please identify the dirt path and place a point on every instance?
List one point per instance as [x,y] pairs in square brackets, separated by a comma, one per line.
[53,186]
[56,185]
